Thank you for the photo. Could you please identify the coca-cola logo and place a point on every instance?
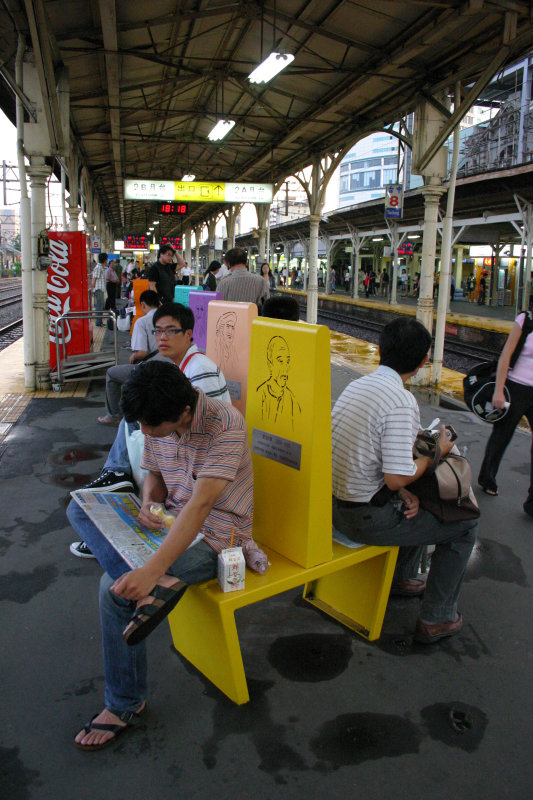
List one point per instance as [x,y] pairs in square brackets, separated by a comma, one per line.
[59,290]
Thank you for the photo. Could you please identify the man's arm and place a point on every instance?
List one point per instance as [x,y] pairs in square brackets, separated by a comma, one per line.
[396,482]
[138,583]
[152,286]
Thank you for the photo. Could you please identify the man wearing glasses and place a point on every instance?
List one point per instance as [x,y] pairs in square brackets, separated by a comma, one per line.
[173,326]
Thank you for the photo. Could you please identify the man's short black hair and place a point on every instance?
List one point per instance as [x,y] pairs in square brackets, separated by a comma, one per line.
[237,255]
[102,258]
[282,307]
[157,392]
[403,344]
[165,248]
[149,297]
[177,311]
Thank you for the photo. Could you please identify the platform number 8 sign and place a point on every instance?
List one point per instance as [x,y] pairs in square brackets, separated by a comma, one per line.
[393,201]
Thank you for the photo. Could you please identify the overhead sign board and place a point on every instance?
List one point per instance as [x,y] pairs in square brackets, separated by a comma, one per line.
[393,201]
[197,191]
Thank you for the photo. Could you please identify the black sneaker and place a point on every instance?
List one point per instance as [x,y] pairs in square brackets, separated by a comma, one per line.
[110,482]
[81,550]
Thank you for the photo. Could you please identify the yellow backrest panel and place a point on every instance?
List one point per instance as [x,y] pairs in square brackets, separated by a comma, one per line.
[229,329]
[288,414]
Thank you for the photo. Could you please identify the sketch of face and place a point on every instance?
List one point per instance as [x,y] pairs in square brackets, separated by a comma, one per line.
[279,361]
[226,327]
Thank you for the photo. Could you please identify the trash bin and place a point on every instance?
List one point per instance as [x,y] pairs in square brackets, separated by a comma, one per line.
[508,299]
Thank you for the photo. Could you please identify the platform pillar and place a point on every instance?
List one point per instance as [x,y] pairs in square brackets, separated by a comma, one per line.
[424,312]
[312,286]
[39,172]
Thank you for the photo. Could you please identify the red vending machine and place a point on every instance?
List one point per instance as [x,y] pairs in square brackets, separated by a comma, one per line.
[68,290]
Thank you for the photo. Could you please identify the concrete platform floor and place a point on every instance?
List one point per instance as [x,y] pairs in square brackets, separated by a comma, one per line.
[330,714]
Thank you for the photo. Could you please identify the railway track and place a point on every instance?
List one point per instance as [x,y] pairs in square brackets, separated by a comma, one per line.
[457,356]
[10,333]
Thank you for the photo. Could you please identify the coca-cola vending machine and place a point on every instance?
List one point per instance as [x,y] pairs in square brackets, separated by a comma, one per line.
[68,290]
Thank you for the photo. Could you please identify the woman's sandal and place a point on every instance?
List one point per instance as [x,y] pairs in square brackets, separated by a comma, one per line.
[132,719]
[490,492]
[148,617]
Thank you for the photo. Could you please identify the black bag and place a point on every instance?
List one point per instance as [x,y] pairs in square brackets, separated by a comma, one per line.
[445,491]
[479,382]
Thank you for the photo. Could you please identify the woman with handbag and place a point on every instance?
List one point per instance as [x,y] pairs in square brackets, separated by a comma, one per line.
[519,382]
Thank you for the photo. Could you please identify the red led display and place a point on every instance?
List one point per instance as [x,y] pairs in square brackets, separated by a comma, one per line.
[136,243]
[174,241]
[172,208]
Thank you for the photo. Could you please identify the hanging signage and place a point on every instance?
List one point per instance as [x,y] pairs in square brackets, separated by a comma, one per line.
[393,201]
[405,249]
[172,208]
[135,243]
[173,241]
[197,191]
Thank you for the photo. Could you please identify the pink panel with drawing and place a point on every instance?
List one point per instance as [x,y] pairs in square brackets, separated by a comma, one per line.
[229,333]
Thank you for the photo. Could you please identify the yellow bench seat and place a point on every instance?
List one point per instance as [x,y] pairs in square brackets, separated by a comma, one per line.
[353,588]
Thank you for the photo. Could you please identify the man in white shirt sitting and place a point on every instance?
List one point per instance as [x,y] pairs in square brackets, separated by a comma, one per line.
[374,425]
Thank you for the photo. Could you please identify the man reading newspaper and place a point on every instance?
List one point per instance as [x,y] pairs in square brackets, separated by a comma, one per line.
[199,465]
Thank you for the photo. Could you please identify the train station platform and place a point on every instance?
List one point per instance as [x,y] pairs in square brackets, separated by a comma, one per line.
[330,713]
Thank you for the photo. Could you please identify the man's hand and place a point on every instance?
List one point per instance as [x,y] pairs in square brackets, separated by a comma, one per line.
[137,584]
[411,502]
[147,518]
[445,444]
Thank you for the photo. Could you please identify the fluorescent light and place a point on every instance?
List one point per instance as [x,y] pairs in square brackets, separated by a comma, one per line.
[220,130]
[270,67]
[378,239]
[414,236]
[189,177]
[155,222]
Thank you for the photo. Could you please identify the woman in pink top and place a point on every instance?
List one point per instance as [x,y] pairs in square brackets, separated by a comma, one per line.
[519,381]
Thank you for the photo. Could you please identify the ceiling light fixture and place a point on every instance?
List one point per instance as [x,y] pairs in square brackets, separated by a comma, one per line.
[221,129]
[155,222]
[189,177]
[270,67]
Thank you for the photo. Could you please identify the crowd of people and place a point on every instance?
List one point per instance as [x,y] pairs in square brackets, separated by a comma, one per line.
[198,463]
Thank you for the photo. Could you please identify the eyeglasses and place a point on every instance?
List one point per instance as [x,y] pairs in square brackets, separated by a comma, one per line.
[169,333]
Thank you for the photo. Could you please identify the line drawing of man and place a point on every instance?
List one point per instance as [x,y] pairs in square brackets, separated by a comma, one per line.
[225,341]
[277,400]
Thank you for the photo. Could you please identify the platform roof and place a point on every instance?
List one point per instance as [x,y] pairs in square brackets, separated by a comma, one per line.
[149,79]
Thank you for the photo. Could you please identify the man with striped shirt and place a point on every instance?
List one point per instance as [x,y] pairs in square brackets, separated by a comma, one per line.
[240,285]
[199,465]
[374,425]
[173,325]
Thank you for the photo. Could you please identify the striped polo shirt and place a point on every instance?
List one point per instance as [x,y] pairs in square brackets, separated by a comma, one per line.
[215,446]
[374,425]
[242,286]
[202,373]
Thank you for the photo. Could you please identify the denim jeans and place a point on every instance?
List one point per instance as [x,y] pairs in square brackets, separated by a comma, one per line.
[125,667]
[114,380]
[117,458]
[98,299]
[387,526]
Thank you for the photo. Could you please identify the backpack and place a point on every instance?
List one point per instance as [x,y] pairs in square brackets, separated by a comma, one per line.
[480,381]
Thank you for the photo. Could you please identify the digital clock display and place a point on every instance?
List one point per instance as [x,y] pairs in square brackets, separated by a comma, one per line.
[172,208]
[174,241]
[136,243]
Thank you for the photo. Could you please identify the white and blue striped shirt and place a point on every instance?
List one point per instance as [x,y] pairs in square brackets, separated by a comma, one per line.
[374,425]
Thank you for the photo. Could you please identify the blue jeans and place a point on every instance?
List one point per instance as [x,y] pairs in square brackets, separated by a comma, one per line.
[386,526]
[98,298]
[118,459]
[125,667]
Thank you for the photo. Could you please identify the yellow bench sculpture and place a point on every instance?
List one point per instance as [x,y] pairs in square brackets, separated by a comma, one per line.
[288,414]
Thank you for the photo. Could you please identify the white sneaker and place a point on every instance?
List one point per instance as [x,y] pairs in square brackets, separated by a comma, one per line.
[81,550]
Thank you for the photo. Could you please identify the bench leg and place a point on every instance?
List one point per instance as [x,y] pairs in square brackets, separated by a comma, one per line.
[205,633]
[357,596]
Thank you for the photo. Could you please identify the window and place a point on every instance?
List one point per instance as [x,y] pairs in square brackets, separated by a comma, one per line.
[365,180]
[388,160]
[389,176]
[345,184]
[344,168]
[365,163]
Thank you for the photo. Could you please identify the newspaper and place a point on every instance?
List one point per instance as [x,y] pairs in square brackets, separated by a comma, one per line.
[115,515]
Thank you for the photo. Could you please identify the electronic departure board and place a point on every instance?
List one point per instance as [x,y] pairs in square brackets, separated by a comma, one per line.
[136,243]
[172,208]
[175,241]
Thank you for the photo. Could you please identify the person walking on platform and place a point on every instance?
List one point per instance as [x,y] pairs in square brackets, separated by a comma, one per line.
[98,287]
[111,283]
[482,290]
[519,382]
[374,425]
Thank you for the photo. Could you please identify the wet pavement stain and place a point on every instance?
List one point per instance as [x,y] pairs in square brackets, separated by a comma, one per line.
[352,739]
[311,657]
[73,455]
[455,724]
[253,721]
[16,778]
[68,480]
[495,561]
[49,524]
[21,587]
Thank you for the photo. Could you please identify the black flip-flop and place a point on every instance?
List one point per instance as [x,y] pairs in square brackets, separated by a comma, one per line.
[148,617]
[132,719]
